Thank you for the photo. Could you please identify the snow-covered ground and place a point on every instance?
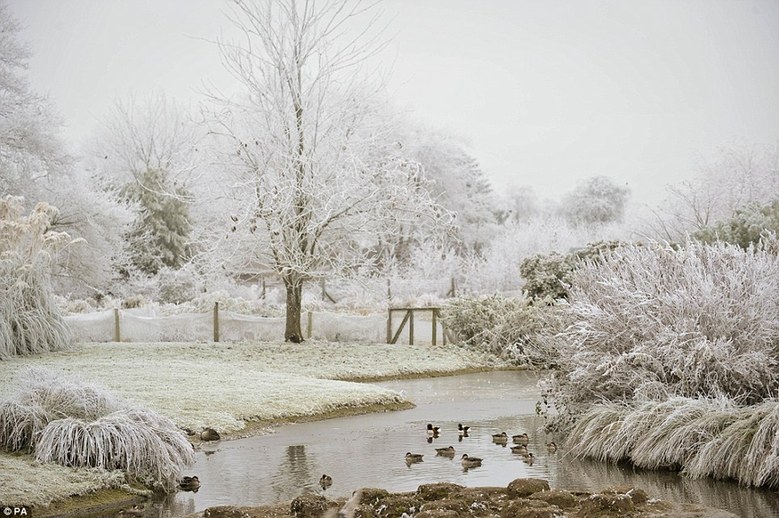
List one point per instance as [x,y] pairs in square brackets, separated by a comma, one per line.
[219,385]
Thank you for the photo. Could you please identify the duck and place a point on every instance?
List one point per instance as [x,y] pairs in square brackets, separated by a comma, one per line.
[209,434]
[500,438]
[520,439]
[433,430]
[551,447]
[189,484]
[529,458]
[445,452]
[413,457]
[463,430]
[470,462]
[326,481]
[136,510]
[520,449]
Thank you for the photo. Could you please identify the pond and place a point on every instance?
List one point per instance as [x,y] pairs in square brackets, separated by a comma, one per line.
[369,451]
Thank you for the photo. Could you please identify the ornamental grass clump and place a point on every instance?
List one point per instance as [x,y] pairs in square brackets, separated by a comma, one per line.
[703,437]
[30,322]
[63,420]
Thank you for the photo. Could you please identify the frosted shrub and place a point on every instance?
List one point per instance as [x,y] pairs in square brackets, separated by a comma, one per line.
[29,320]
[64,420]
[698,321]
[704,437]
[506,327]
[177,286]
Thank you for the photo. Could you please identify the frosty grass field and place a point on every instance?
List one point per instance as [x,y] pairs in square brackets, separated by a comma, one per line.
[219,385]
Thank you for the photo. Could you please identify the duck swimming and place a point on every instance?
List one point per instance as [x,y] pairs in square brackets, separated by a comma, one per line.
[551,447]
[520,449]
[326,481]
[500,438]
[520,439]
[445,452]
[413,457]
[189,484]
[470,462]
[529,458]
[463,430]
[433,430]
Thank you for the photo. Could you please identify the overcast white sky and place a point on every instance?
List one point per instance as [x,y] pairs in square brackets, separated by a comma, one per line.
[546,92]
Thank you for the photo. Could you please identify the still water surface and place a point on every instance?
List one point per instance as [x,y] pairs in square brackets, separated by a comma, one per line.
[368,451]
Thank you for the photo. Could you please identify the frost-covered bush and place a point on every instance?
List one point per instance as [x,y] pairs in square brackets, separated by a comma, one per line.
[548,276]
[30,322]
[654,322]
[64,420]
[704,437]
[747,226]
[179,285]
[506,327]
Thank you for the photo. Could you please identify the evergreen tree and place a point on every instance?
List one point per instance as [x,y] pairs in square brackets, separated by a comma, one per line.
[160,236]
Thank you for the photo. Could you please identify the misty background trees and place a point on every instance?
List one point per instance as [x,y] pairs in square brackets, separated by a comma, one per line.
[308,170]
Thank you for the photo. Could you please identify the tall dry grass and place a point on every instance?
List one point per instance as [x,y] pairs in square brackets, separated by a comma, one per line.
[66,421]
[703,437]
[29,321]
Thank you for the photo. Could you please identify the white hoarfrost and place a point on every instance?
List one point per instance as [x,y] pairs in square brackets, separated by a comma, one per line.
[221,385]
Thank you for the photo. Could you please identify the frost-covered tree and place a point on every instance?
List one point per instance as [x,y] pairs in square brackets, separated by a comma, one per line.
[30,151]
[735,177]
[160,235]
[458,184]
[35,165]
[313,175]
[29,321]
[595,200]
[149,157]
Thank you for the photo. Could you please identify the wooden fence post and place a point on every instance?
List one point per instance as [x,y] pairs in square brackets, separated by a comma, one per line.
[216,321]
[435,324]
[411,327]
[389,325]
[117,335]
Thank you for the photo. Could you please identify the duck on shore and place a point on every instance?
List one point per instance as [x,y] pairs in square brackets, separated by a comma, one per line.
[209,434]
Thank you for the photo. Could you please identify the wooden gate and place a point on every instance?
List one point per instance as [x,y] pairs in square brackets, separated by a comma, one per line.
[408,318]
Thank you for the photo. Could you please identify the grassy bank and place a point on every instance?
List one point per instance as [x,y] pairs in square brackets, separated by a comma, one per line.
[235,388]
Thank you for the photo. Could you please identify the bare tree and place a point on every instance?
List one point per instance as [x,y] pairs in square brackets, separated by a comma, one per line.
[736,176]
[315,176]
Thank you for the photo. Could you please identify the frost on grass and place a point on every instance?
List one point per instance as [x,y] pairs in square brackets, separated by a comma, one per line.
[669,352]
[23,479]
[66,421]
[224,384]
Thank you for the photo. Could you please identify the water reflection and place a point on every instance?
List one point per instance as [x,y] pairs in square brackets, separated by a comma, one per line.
[369,451]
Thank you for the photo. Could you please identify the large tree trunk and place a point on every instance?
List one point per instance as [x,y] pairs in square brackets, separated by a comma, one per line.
[294,286]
